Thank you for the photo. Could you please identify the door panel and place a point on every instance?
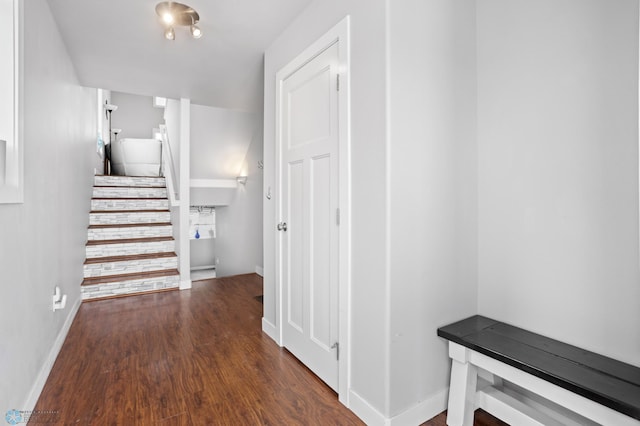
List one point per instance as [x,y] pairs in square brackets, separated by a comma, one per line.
[310,121]
[321,250]
[296,242]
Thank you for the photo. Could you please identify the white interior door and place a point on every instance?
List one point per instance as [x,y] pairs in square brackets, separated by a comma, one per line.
[309,188]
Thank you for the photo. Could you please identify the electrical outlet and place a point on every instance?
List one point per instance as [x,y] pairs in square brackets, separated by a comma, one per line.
[59,299]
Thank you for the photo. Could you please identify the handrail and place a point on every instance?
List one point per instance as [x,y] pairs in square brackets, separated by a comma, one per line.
[168,164]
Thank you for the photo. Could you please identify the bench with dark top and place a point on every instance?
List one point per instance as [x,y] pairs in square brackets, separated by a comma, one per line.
[604,380]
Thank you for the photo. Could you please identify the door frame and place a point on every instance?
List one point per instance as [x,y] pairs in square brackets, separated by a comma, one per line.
[338,34]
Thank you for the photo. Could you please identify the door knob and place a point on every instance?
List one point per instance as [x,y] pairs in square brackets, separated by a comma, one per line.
[282,226]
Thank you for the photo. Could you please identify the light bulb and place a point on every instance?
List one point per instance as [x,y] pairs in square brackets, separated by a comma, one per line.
[167,17]
[170,34]
[196,32]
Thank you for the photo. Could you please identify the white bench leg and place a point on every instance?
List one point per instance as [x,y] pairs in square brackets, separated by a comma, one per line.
[462,390]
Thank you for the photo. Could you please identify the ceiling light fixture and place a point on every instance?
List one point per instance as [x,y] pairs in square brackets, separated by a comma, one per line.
[173,14]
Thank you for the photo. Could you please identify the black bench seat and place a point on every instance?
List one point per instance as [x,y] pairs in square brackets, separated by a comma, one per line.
[604,380]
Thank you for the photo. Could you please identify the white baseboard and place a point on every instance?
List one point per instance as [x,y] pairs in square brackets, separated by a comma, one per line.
[271,331]
[416,415]
[260,270]
[43,375]
[365,411]
[185,285]
[423,411]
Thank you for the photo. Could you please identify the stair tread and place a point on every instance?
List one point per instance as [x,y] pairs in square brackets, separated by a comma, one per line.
[133,293]
[129,240]
[130,186]
[105,279]
[129,225]
[129,176]
[128,199]
[124,258]
[129,211]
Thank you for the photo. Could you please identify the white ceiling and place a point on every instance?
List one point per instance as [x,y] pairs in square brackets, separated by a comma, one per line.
[119,45]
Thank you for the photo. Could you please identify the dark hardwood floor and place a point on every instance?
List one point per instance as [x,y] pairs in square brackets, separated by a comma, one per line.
[195,357]
[481,418]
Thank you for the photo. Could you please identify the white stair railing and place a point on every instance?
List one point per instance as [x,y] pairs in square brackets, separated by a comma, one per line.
[167,168]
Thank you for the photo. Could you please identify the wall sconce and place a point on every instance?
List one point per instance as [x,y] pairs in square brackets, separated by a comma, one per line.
[242,180]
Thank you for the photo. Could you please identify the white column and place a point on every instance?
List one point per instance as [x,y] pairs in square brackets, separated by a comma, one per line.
[185,156]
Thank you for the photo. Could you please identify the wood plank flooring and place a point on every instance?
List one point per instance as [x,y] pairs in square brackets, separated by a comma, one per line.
[194,357]
[481,418]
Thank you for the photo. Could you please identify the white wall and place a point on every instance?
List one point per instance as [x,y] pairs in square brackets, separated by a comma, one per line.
[202,252]
[558,170]
[369,308]
[136,115]
[433,193]
[220,139]
[238,243]
[226,144]
[43,239]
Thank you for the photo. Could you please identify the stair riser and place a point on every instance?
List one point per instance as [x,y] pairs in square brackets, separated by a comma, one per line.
[124,204]
[119,218]
[112,192]
[127,249]
[131,232]
[129,266]
[128,181]
[129,287]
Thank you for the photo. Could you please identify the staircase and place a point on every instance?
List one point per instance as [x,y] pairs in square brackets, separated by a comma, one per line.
[130,248]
